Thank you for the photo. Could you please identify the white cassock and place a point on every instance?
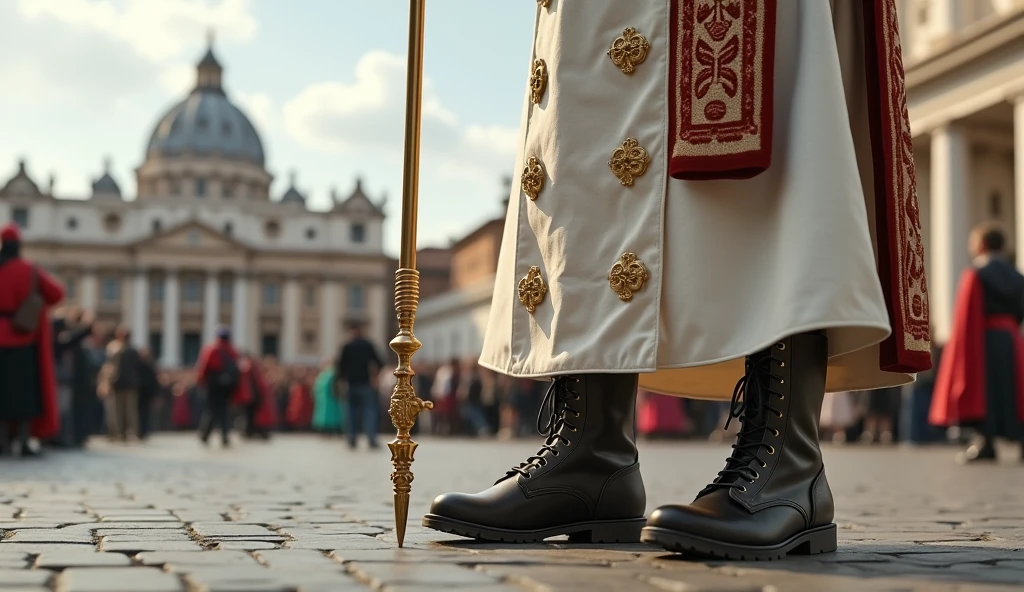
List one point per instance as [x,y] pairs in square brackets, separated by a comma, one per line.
[600,272]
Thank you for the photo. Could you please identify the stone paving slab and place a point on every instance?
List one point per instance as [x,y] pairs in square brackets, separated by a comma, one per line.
[118,579]
[60,561]
[169,515]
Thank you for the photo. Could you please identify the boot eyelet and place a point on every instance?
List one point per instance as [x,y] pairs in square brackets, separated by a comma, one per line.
[778,414]
[775,432]
[771,450]
[782,381]
[743,489]
[764,465]
[576,397]
[756,476]
[781,346]
[781,397]
[782,364]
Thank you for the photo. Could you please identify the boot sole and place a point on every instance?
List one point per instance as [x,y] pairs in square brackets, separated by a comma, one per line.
[822,539]
[599,531]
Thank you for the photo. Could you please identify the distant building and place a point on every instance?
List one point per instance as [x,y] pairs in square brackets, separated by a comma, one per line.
[204,243]
[964,61]
[452,324]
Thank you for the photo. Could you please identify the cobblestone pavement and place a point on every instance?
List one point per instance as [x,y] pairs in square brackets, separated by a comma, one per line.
[303,513]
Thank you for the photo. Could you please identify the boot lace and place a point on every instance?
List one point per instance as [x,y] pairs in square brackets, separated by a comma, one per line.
[751,402]
[552,421]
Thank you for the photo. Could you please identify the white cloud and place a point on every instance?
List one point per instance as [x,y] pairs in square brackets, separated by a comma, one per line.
[369,113]
[178,79]
[158,30]
[98,52]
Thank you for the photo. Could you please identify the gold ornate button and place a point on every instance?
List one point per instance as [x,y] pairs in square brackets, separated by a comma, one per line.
[538,80]
[627,276]
[629,50]
[532,289]
[629,161]
[533,177]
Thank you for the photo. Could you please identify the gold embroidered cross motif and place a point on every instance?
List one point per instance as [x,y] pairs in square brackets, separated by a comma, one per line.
[538,80]
[532,289]
[629,50]
[627,276]
[533,177]
[629,161]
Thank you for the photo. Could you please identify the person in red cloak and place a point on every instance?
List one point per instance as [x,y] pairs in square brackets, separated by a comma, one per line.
[255,397]
[300,402]
[219,372]
[28,381]
[980,382]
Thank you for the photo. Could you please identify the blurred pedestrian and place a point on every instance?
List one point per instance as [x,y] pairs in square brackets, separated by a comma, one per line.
[122,379]
[87,359]
[218,372]
[261,409]
[326,408]
[357,367]
[28,397]
[838,414]
[149,388]
[980,382]
[300,401]
[69,333]
[881,411]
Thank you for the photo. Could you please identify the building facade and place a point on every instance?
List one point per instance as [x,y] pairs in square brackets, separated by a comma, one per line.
[451,324]
[964,61]
[203,243]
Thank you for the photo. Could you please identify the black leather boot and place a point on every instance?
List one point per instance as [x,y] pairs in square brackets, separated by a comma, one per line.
[772,498]
[584,482]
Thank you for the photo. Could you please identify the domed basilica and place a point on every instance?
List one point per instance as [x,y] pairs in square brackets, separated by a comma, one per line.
[204,243]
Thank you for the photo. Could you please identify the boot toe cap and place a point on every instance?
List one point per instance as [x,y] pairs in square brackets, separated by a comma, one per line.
[729,523]
[458,506]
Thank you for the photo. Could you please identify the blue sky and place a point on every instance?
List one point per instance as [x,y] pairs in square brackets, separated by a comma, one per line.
[322,80]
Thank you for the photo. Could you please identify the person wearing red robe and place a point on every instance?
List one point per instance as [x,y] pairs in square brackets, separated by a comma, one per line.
[299,414]
[28,380]
[256,398]
[980,382]
[219,372]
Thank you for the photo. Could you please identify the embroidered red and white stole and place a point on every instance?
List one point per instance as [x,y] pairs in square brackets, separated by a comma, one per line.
[723,57]
[900,244]
[721,88]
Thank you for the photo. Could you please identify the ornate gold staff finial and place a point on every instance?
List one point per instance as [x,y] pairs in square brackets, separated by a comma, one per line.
[405,405]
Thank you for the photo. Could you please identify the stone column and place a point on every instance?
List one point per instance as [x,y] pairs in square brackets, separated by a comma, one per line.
[140,308]
[376,315]
[290,320]
[172,330]
[89,296]
[943,17]
[1018,176]
[211,306]
[239,310]
[329,317]
[950,222]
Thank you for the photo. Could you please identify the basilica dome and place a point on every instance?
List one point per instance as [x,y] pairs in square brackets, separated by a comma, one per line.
[206,123]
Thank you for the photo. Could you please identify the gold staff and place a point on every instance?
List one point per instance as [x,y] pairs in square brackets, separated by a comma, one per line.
[405,405]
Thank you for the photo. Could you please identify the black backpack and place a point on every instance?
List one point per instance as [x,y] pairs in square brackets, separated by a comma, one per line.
[229,376]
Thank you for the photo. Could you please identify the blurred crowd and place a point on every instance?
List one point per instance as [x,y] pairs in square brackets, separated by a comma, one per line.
[65,378]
